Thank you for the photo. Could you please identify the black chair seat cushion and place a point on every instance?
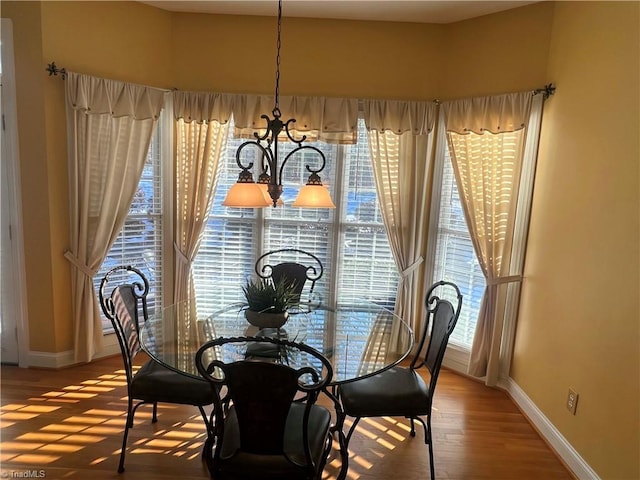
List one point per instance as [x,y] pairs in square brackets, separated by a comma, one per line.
[157,383]
[397,392]
[247,465]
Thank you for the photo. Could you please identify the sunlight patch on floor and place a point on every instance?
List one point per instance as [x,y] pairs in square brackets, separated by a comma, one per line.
[101,430]
[59,427]
[65,436]
[59,448]
[40,437]
[17,416]
[386,432]
[361,461]
[36,459]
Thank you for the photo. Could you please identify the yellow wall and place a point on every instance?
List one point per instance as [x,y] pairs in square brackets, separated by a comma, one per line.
[579,316]
[319,57]
[586,186]
[499,53]
[129,43]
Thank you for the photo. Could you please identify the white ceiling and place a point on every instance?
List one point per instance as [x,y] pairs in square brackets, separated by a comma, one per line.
[419,11]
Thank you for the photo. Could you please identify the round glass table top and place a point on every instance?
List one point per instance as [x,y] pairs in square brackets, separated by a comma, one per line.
[358,339]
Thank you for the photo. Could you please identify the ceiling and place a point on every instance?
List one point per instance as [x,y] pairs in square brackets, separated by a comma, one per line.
[417,11]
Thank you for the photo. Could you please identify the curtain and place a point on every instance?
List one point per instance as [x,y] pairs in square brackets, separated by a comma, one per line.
[400,140]
[486,138]
[109,125]
[331,120]
[201,127]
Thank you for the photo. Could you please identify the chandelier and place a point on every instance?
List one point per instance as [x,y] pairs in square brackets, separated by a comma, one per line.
[268,190]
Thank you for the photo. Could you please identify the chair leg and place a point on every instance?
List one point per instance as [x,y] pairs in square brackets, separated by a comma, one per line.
[207,454]
[130,412]
[430,445]
[325,455]
[427,439]
[154,418]
[209,427]
[351,430]
[205,418]
[424,426]
[128,424]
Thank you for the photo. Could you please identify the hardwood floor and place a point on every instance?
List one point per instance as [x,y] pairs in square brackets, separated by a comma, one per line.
[67,424]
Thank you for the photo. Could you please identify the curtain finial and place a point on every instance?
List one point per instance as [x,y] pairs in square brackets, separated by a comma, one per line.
[53,70]
[546,91]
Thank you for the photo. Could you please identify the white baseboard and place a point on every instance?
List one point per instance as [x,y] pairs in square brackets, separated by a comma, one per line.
[50,360]
[562,447]
[37,359]
[458,360]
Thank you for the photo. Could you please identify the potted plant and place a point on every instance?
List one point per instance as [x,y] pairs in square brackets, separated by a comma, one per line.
[268,302]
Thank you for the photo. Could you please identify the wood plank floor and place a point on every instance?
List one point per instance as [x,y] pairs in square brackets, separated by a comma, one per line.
[67,424]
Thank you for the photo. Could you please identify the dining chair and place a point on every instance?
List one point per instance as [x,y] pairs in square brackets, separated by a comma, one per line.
[152,382]
[268,431]
[402,391]
[292,265]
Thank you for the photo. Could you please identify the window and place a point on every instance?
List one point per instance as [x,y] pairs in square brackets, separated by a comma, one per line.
[455,259]
[140,241]
[350,241]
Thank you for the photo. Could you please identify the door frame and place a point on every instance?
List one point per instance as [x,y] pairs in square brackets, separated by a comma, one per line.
[10,125]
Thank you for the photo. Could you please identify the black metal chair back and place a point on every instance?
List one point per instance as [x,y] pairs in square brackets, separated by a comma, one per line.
[125,305]
[442,317]
[265,420]
[122,307]
[305,268]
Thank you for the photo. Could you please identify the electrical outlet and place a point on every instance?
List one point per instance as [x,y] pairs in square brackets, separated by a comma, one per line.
[572,401]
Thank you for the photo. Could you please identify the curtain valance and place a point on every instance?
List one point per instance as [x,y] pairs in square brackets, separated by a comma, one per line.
[202,107]
[399,116]
[331,120]
[496,114]
[120,99]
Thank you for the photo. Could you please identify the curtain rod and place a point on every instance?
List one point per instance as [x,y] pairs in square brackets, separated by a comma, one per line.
[53,70]
[546,91]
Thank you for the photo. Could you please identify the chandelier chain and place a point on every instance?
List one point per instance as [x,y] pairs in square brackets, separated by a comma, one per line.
[277,97]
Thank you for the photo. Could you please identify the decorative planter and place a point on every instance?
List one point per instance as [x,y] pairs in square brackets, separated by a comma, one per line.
[266,320]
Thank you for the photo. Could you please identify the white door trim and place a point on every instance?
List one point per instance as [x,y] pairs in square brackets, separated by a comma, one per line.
[10,121]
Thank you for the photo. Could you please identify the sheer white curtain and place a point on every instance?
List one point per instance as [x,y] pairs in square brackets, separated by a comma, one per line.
[486,139]
[201,128]
[401,141]
[109,126]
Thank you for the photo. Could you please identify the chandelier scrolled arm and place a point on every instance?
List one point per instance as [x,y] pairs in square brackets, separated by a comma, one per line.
[289,136]
[314,172]
[245,175]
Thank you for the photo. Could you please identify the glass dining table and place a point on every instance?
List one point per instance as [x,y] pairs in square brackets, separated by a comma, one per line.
[359,339]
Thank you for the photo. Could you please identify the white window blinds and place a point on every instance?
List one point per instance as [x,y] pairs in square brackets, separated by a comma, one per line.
[140,241]
[350,241]
[455,259]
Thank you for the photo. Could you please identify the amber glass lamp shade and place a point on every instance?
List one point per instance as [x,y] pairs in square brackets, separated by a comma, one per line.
[245,195]
[314,196]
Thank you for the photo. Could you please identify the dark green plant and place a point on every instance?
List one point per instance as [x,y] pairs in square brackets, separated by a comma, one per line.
[264,296]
